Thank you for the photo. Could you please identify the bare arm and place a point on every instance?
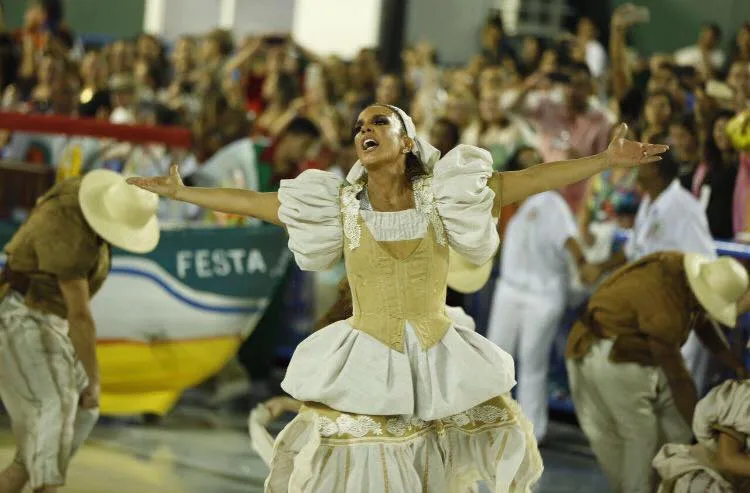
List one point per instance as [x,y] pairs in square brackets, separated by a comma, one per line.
[621,77]
[242,56]
[621,153]
[731,458]
[263,206]
[82,328]
[517,185]
[528,85]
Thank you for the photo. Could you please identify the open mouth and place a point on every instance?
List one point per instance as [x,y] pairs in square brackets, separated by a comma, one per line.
[369,145]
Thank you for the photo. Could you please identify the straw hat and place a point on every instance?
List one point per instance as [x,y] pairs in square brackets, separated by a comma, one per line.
[465,277]
[124,215]
[717,284]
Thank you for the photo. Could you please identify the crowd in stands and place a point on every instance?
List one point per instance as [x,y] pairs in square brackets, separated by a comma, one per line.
[560,96]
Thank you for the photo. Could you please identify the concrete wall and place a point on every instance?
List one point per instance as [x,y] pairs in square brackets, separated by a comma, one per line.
[453,26]
[253,16]
[340,27]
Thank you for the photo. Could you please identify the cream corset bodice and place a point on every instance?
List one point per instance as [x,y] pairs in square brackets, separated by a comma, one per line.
[393,282]
[388,291]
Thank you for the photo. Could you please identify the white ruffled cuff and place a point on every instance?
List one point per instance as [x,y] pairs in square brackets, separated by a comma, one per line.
[464,202]
[310,209]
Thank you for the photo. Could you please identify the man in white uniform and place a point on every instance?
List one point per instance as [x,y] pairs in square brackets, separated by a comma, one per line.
[530,297]
[668,219]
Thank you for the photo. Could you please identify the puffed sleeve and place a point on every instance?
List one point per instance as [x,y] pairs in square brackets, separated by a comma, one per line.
[725,409]
[464,202]
[310,209]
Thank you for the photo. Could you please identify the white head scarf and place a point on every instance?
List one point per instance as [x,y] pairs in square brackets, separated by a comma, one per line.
[426,153]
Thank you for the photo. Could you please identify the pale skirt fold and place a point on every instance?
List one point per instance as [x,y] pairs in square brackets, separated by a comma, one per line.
[323,450]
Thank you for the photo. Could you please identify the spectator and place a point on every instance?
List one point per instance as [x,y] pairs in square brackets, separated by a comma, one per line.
[741,46]
[495,46]
[657,113]
[738,80]
[738,130]
[461,109]
[706,55]
[94,99]
[121,58]
[390,90]
[531,55]
[498,133]
[567,129]
[259,165]
[715,180]
[595,55]
[685,143]
[279,92]
[444,135]
[611,198]
[146,75]
[122,89]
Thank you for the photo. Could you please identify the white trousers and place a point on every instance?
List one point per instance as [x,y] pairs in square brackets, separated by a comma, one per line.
[698,361]
[524,325]
[40,384]
[627,412]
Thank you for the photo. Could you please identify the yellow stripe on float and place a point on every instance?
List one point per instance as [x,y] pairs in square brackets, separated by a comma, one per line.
[138,377]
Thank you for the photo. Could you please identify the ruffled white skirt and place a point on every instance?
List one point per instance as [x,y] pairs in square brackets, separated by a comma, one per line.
[351,371]
[323,450]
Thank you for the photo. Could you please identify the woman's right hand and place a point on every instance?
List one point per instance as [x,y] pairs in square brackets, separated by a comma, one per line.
[279,405]
[166,186]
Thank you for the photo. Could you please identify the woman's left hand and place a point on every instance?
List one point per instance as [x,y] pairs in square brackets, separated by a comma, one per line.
[624,153]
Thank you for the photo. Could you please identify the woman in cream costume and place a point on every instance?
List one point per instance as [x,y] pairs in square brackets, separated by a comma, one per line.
[720,462]
[398,398]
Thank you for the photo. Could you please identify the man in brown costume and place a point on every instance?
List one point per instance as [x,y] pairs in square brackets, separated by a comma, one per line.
[56,261]
[629,383]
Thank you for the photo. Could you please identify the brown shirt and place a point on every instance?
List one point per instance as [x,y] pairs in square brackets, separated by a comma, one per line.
[649,309]
[56,244]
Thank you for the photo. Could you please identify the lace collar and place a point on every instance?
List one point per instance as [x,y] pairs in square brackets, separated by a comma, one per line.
[354,198]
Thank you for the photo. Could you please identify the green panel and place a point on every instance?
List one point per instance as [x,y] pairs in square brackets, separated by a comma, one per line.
[116,18]
[14,10]
[675,23]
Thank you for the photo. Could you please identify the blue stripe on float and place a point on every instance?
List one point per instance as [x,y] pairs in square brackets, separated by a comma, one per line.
[195,304]
[184,299]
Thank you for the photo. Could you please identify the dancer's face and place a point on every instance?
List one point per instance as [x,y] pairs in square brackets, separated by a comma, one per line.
[379,137]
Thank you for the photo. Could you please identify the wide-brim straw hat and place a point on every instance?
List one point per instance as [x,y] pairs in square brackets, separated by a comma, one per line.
[123,215]
[717,284]
[466,277]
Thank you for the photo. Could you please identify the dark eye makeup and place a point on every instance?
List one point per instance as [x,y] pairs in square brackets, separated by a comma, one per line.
[376,120]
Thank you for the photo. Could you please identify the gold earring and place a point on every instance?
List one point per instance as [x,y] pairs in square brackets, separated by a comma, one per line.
[405,151]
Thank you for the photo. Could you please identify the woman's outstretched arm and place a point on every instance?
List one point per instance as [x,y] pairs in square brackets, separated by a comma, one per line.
[263,206]
[621,153]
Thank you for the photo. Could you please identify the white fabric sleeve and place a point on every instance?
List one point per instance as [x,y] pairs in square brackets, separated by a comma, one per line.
[464,202]
[310,209]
